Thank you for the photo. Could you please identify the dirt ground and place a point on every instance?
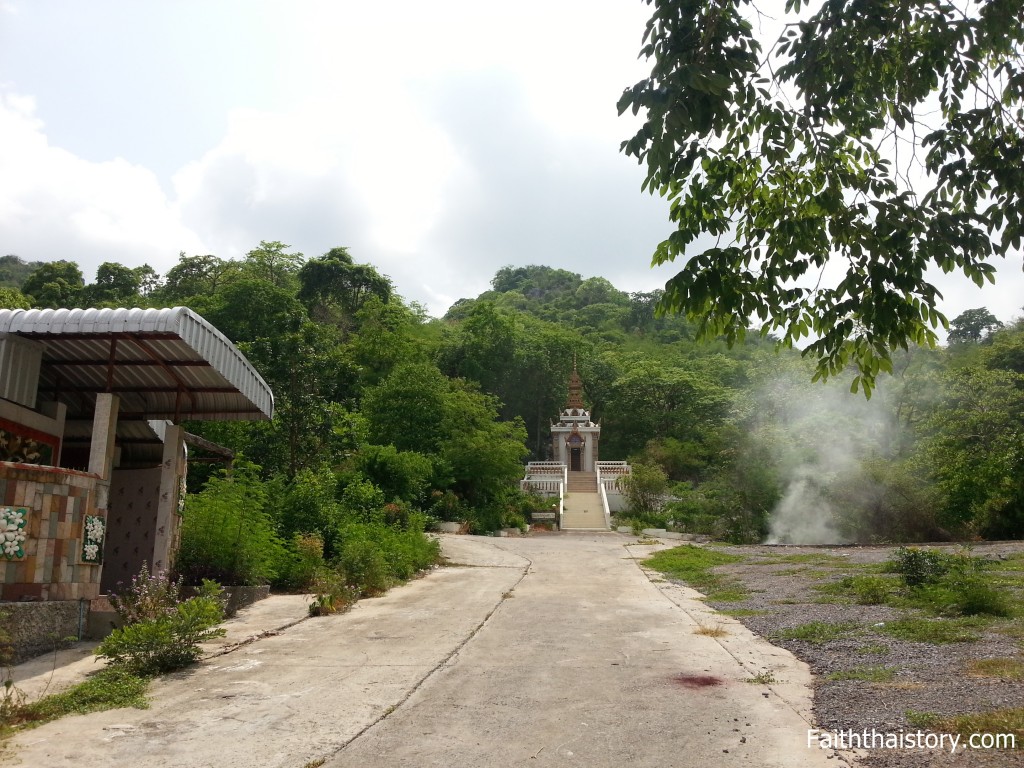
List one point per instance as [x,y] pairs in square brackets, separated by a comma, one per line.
[785,592]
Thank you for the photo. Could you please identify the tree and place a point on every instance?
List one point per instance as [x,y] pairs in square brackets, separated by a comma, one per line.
[799,159]
[12,298]
[115,284]
[55,284]
[972,325]
[197,276]
[334,283]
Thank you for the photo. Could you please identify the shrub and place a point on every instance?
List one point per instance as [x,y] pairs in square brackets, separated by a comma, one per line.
[364,566]
[919,566]
[147,597]
[226,533]
[168,641]
[302,563]
[332,593]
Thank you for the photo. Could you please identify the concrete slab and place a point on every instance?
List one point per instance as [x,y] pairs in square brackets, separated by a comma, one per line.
[589,663]
[533,651]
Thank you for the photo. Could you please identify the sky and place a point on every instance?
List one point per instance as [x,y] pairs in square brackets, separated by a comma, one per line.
[437,141]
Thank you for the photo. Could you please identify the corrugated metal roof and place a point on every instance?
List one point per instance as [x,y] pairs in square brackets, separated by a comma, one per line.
[162,363]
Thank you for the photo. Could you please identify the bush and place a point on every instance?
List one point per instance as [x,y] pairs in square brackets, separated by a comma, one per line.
[226,534]
[147,597]
[169,641]
[364,566]
[302,563]
[867,590]
[919,566]
[332,593]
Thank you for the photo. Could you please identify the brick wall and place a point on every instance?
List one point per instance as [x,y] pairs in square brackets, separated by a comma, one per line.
[57,501]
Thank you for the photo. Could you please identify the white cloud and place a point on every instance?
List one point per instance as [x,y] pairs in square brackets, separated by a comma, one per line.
[55,205]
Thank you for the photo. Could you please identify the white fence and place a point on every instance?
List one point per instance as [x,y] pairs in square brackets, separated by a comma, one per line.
[547,478]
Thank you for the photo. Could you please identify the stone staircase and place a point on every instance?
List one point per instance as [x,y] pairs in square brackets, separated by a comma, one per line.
[581,510]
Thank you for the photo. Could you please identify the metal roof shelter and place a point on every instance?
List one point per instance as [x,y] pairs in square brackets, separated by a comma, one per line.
[162,363]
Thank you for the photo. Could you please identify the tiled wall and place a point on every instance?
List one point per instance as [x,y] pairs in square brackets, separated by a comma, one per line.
[58,501]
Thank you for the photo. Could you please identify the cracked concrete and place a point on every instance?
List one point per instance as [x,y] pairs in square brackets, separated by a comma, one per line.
[544,650]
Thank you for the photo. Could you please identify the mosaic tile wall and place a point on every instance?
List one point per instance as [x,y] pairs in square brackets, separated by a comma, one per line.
[58,501]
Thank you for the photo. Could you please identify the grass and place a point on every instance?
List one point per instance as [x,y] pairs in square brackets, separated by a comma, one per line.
[1005,668]
[996,721]
[876,648]
[808,558]
[693,565]
[865,674]
[110,688]
[918,629]
[818,632]
[762,678]
[711,631]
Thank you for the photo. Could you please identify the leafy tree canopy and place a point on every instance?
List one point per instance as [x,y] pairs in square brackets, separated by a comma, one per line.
[55,284]
[972,325]
[885,136]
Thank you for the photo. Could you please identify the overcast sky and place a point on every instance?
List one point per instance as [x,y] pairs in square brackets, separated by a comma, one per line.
[438,140]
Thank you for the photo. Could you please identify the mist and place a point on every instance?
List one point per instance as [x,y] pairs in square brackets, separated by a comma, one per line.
[821,435]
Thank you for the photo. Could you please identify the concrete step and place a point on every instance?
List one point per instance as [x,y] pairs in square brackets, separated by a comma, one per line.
[583,510]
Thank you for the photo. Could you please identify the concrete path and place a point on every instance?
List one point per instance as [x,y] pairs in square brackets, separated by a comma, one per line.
[548,650]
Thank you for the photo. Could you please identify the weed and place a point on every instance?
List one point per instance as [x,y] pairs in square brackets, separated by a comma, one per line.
[818,632]
[170,641]
[917,719]
[937,631]
[110,688]
[693,565]
[866,590]
[873,648]
[813,558]
[865,674]
[999,721]
[762,678]
[315,763]
[332,594]
[1005,669]
[711,631]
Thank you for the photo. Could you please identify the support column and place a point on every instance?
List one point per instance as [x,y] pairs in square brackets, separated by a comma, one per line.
[171,474]
[104,429]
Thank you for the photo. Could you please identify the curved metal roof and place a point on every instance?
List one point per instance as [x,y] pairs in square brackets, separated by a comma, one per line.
[162,363]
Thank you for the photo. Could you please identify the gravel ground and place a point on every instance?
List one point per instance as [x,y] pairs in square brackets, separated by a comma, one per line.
[928,677]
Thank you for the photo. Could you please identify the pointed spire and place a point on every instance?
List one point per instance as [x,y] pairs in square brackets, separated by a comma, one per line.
[575,387]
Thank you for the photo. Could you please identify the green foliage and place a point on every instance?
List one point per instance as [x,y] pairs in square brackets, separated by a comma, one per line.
[54,284]
[938,631]
[376,556]
[645,489]
[787,155]
[227,534]
[303,566]
[149,596]
[818,632]
[865,674]
[694,565]
[12,298]
[167,642]
[331,593]
[920,566]
[972,326]
[112,688]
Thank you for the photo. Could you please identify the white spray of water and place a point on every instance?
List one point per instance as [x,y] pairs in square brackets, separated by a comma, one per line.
[822,433]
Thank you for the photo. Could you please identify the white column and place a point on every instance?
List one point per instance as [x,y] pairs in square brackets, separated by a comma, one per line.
[104,429]
[171,471]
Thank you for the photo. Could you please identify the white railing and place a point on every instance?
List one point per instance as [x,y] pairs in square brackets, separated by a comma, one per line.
[542,487]
[604,501]
[613,467]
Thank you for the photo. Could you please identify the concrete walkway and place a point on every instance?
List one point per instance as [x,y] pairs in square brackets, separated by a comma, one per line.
[547,650]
